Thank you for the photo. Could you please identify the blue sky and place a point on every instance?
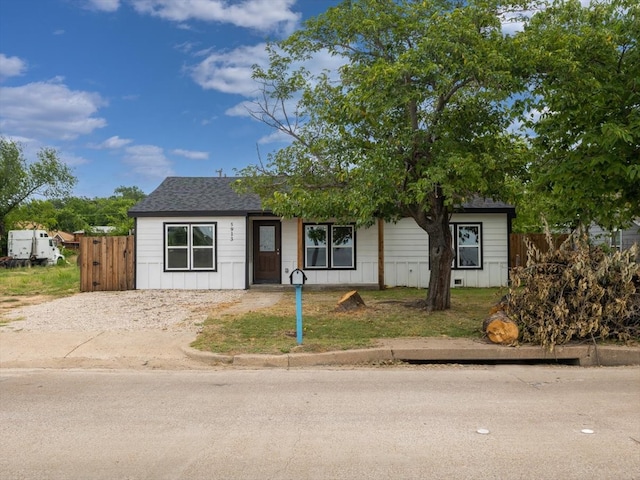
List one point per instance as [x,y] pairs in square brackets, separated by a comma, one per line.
[132,91]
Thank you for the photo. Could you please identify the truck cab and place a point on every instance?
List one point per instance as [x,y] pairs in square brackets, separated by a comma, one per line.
[33,245]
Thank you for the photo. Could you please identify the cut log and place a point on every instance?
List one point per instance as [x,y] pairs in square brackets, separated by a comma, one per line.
[350,301]
[501,329]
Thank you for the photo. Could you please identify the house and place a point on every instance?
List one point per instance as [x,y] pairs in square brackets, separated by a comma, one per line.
[198,233]
[619,239]
[65,239]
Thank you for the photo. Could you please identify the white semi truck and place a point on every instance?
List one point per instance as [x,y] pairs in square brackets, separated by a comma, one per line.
[30,247]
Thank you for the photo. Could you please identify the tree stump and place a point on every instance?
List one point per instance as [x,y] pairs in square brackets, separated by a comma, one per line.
[350,301]
[501,329]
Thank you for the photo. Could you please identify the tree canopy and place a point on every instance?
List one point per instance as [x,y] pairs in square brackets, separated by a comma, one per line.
[412,123]
[21,180]
[584,112]
[71,213]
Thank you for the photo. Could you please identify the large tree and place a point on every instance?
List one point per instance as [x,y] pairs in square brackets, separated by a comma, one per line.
[21,180]
[585,90]
[412,123]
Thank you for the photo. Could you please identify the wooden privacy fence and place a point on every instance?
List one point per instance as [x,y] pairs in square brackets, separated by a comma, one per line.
[518,247]
[106,263]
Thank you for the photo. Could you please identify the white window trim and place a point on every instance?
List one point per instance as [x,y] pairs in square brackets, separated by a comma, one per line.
[352,247]
[190,247]
[329,247]
[455,232]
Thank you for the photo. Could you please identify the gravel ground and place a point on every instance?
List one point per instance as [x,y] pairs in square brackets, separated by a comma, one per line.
[133,310]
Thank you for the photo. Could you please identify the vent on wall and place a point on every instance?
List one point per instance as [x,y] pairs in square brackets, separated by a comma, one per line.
[458,282]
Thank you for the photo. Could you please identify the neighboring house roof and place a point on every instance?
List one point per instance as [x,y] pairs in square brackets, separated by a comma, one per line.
[215,196]
[63,236]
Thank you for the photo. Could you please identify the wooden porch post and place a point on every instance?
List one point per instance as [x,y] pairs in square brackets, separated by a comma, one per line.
[300,244]
[381,254]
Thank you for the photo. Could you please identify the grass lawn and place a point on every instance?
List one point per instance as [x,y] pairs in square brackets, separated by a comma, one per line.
[388,313]
[57,281]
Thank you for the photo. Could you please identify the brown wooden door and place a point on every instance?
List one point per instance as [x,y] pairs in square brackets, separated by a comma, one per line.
[266,251]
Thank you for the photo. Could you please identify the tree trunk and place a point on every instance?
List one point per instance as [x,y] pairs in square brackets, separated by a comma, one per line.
[440,257]
[436,223]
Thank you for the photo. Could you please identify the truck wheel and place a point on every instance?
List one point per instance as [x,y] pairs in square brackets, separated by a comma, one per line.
[26,263]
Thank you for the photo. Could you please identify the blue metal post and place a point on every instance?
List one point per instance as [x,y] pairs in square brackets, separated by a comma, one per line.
[299,314]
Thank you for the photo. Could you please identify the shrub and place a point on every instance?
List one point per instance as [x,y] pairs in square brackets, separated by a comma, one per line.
[576,291]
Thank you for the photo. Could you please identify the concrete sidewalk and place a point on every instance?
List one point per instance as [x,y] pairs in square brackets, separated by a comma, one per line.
[170,350]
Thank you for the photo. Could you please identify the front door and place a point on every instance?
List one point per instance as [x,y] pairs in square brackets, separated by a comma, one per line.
[266,251]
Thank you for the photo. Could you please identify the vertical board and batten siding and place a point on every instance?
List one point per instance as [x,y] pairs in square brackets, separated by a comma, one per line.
[366,271]
[106,263]
[231,237]
[628,237]
[406,253]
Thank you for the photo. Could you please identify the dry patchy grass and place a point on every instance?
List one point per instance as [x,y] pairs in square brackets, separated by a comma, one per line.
[388,314]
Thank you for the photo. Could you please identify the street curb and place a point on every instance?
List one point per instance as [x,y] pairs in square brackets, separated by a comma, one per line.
[342,357]
[583,355]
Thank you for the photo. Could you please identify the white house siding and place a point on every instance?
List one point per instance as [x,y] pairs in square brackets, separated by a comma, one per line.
[629,236]
[406,253]
[366,271]
[231,265]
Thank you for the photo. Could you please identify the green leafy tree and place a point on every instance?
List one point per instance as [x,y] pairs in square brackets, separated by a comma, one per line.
[412,124]
[585,85]
[20,180]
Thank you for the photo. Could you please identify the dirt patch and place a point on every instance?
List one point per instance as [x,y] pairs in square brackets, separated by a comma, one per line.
[10,302]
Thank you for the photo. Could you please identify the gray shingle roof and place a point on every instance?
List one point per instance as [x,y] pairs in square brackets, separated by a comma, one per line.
[182,196]
[196,196]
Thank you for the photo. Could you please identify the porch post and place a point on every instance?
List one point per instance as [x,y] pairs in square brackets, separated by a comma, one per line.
[381,254]
[300,244]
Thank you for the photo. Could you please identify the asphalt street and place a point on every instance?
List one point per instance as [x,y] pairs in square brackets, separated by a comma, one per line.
[419,422]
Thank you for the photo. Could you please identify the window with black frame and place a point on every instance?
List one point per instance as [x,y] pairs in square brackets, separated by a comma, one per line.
[190,246]
[467,244]
[328,246]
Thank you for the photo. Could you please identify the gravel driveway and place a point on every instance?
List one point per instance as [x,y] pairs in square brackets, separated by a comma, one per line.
[133,310]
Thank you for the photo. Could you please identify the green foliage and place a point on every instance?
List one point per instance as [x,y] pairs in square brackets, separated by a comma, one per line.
[576,292]
[585,86]
[413,123]
[20,180]
[71,214]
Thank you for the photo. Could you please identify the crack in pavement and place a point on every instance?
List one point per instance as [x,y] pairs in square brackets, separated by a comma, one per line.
[83,343]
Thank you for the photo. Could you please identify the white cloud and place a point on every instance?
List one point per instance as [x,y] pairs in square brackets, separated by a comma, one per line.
[112,143]
[191,154]
[59,31]
[49,110]
[11,66]
[276,136]
[103,5]
[262,15]
[230,72]
[148,161]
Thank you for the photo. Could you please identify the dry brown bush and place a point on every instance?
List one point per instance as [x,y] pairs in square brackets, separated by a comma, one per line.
[576,291]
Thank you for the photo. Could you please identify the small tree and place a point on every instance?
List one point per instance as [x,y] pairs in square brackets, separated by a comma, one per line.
[19,180]
[412,124]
